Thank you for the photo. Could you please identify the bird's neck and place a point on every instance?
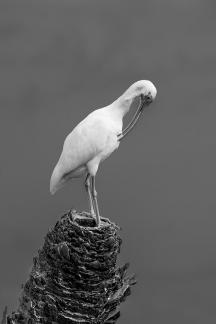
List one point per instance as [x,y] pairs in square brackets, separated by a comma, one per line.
[123,103]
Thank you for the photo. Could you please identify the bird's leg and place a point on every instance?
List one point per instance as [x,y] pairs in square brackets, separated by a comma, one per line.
[94,194]
[88,189]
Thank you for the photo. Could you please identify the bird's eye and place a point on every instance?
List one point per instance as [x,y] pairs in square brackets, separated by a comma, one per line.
[149,98]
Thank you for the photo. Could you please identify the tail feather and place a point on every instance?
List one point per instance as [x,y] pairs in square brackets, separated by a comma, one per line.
[59,178]
[56,181]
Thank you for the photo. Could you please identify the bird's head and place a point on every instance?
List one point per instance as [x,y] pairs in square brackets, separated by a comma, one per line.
[146,90]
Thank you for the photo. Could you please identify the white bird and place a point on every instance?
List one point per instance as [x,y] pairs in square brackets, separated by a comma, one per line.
[95,138]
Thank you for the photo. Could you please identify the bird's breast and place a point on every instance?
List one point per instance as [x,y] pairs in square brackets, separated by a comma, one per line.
[111,145]
[112,128]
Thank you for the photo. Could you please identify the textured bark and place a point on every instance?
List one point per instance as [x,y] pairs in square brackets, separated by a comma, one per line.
[74,278]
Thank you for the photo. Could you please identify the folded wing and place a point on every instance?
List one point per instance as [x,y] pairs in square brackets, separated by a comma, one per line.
[84,143]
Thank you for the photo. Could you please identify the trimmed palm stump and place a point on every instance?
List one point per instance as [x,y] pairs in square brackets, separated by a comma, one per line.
[74,278]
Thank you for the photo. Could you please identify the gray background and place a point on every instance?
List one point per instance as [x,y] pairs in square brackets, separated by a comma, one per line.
[61,59]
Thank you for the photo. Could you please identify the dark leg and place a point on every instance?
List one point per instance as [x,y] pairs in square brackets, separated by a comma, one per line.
[88,189]
[94,195]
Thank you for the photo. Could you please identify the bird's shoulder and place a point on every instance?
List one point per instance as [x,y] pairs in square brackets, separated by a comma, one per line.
[97,122]
[91,130]
[104,117]
[95,118]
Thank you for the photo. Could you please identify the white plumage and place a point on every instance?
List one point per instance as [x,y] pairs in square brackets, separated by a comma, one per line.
[91,141]
[95,138]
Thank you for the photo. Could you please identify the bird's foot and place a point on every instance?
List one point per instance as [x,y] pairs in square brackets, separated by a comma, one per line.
[98,222]
[92,212]
[96,218]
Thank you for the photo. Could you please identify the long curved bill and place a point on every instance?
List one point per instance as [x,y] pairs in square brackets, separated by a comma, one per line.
[144,101]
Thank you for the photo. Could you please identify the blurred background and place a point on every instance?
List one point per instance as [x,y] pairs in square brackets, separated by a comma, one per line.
[59,60]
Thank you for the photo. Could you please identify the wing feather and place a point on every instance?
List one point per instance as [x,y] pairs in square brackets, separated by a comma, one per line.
[85,142]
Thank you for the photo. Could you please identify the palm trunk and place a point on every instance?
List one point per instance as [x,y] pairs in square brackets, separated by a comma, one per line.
[74,278]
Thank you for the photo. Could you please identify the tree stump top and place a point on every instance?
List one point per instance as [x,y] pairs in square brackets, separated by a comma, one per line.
[74,278]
